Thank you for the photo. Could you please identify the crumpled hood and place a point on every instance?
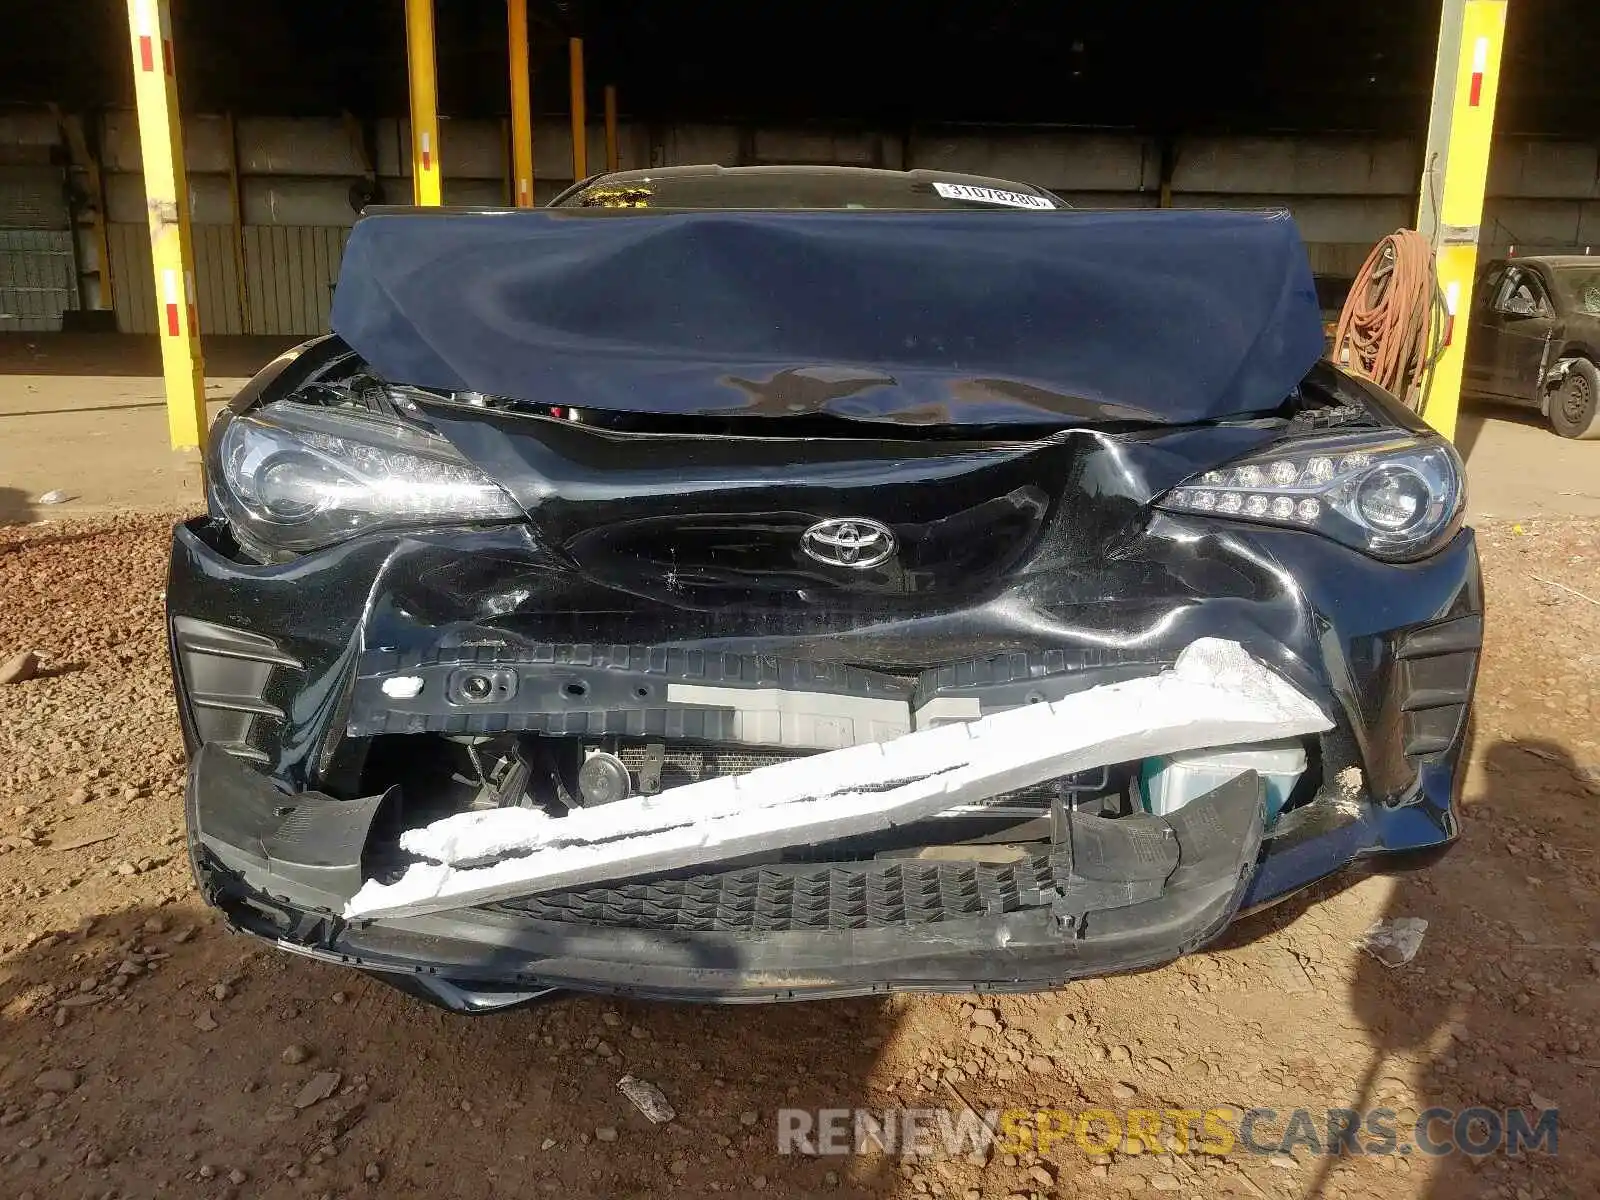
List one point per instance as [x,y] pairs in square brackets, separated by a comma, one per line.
[925,318]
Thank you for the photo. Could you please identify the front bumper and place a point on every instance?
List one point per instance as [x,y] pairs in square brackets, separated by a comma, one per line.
[1115,896]
[279,847]
[280,870]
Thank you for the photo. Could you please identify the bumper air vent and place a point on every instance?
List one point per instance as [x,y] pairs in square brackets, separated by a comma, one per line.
[1435,668]
[224,679]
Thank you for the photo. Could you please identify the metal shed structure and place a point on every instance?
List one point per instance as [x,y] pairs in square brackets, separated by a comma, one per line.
[270,199]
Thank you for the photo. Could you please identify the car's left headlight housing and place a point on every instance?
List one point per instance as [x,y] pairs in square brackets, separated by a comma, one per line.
[1395,496]
[294,477]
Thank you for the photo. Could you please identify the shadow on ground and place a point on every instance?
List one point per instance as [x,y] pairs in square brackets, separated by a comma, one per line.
[429,1103]
[1486,1016]
[1475,415]
[129,354]
[16,507]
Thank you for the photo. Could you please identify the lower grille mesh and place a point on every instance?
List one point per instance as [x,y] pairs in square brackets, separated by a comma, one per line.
[869,895]
[683,764]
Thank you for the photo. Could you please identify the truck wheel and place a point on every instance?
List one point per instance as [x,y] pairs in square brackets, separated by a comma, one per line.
[1575,405]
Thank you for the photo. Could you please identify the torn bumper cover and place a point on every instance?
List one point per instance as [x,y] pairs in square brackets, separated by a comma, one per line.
[297,801]
[1108,896]
[1216,694]
[632,897]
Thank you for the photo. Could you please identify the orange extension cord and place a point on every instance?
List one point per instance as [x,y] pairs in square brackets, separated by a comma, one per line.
[1392,326]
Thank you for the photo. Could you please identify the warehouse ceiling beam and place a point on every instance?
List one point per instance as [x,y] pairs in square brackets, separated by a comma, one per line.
[521,104]
[422,74]
[1455,174]
[166,188]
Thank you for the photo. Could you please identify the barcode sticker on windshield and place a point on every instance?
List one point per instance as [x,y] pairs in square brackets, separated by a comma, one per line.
[983,195]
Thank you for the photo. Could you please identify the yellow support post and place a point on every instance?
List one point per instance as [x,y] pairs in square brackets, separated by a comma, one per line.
[1465,87]
[521,105]
[166,188]
[426,179]
[580,120]
[613,154]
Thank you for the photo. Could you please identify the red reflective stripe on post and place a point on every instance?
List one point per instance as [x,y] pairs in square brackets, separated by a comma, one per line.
[1476,97]
[147,54]
[1480,64]
[166,54]
[169,297]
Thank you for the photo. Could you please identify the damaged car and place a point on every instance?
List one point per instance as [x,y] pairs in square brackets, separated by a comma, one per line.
[763,584]
[1535,339]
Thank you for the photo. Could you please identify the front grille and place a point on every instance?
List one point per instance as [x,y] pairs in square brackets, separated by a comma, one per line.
[871,895]
[690,764]
[1101,864]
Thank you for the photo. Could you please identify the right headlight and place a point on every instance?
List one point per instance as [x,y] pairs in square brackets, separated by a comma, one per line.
[1394,496]
[292,477]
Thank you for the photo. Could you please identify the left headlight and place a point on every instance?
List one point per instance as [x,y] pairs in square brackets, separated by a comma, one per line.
[292,477]
[1395,497]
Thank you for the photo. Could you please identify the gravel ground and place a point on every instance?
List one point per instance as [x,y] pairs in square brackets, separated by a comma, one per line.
[146,1052]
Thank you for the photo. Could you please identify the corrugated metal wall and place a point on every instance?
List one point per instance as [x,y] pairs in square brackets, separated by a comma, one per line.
[295,177]
[38,273]
[294,182]
[291,271]
[216,279]
[38,278]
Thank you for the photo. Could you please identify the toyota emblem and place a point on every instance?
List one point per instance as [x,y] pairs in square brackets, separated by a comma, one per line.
[857,542]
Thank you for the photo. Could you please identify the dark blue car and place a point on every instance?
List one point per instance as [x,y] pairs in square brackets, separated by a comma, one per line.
[771,583]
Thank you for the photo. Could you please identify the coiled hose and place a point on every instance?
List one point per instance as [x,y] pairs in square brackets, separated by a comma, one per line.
[1392,329]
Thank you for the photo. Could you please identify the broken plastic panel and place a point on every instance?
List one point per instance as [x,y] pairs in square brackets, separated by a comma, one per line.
[1215,695]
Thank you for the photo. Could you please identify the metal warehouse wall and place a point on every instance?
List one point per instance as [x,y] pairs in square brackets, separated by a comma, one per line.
[38,269]
[293,195]
[294,180]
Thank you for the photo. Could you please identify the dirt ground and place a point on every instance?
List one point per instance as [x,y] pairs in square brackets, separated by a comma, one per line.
[144,1052]
[84,415]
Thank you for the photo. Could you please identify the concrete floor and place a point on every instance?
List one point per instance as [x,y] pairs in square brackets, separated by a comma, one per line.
[1517,467]
[83,414]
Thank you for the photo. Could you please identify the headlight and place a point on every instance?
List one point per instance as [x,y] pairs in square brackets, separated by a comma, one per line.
[295,477]
[1393,496]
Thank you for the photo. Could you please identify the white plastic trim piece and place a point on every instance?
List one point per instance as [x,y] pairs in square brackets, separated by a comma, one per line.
[1216,695]
[812,720]
[403,687]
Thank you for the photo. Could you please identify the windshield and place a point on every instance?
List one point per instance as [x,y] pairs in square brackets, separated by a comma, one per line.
[769,189]
[1582,287]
